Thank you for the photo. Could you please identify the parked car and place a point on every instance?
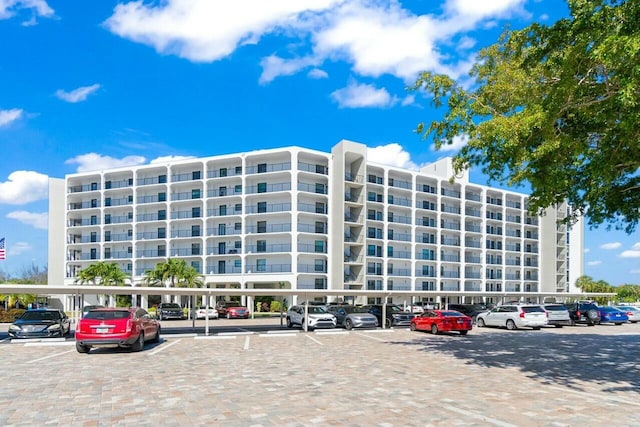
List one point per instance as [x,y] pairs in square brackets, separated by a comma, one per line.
[201,313]
[583,312]
[514,316]
[116,327]
[610,314]
[395,316]
[471,310]
[437,321]
[558,315]
[632,312]
[232,310]
[419,307]
[41,323]
[87,308]
[318,317]
[351,316]
[169,310]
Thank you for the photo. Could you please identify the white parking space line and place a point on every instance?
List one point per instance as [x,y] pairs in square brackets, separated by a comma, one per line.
[217,337]
[247,339]
[600,396]
[164,347]
[50,356]
[378,331]
[477,416]
[49,344]
[285,332]
[36,340]
[369,336]
[182,335]
[314,340]
[236,333]
[278,335]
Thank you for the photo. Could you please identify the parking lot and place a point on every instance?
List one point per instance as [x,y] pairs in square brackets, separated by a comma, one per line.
[255,373]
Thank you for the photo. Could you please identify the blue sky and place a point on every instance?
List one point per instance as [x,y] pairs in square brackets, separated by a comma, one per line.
[92,85]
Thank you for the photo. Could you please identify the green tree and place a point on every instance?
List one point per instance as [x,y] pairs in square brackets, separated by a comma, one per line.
[102,274]
[173,273]
[557,107]
[628,293]
[587,284]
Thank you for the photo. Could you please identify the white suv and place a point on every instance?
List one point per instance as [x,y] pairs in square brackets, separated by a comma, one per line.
[318,317]
[514,316]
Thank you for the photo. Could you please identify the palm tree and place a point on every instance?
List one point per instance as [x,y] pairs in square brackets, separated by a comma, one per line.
[102,274]
[13,300]
[173,273]
[190,278]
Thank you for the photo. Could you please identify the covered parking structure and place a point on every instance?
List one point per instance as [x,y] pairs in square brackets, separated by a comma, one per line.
[77,292]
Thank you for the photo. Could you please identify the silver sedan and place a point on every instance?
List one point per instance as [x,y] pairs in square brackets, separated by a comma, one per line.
[351,316]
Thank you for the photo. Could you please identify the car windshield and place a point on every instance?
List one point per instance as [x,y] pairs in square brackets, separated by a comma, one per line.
[394,309]
[451,314]
[40,315]
[555,308]
[108,314]
[316,310]
[170,305]
[354,309]
[232,304]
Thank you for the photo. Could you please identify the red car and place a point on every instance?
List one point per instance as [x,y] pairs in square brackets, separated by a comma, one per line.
[438,321]
[116,327]
[232,310]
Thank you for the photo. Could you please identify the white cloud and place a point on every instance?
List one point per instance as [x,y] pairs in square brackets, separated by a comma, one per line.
[594,263]
[459,141]
[10,8]
[630,254]
[317,73]
[24,187]
[587,250]
[375,38]
[635,272]
[18,248]
[391,154]
[36,220]
[636,246]
[408,100]
[164,159]
[8,116]
[362,95]
[77,95]
[94,161]
[609,246]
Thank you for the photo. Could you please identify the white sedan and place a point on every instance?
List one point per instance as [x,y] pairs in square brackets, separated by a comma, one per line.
[631,311]
[201,312]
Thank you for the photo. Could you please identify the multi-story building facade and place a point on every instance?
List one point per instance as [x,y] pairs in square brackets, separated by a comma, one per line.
[306,219]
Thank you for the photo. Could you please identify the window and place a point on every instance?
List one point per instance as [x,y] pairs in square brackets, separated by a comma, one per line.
[237,244]
[262,227]
[222,229]
[162,233]
[261,265]
[237,189]
[237,263]
[195,249]
[237,207]
[223,210]
[162,214]
[319,246]
[107,185]
[320,208]
[390,251]
[320,188]
[320,227]
[130,233]
[319,266]
[222,248]
[107,236]
[94,186]
[262,168]
[195,231]
[94,203]
[238,170]
[262,187]
[222,191]
[162,179]
[222,172]
[107,219]
[237,226]
[319,283]
[195,212]
[162,197]
[261,246]
[94,220]
[93,253]
[162,250]
[107,253]
[262,207]
[94,237]
[390,234]
[195,175]
[107,201]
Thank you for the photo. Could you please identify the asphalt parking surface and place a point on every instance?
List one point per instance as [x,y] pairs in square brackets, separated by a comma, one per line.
[254,373]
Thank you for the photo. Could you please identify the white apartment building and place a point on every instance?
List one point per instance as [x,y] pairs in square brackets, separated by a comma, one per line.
[306,219]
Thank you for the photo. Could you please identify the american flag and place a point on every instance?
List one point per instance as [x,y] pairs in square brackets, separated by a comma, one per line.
[2,251]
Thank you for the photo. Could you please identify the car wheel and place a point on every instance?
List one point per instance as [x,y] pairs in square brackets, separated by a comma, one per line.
[412,326]
[618,324]
[387,323]
[139,344]
[348,324]
[157,337]
[536,328]
[463,332]
[480,323]
[511,325]
[82,348]
[289,324]
[434,329]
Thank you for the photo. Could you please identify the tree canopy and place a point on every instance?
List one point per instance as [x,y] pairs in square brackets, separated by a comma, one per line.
[557,107]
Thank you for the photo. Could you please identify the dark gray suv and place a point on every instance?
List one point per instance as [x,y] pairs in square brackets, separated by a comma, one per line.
[583,312]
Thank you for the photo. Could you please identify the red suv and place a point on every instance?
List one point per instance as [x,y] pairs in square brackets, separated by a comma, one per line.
[116,327]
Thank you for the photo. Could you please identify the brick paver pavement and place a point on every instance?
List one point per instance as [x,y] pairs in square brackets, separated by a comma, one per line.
[553,377]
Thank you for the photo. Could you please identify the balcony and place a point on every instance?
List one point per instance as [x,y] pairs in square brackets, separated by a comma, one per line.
[271,268]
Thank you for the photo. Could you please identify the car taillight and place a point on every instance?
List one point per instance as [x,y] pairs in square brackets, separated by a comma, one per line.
[578,313]
[79,326]
[522,314]
[129,325]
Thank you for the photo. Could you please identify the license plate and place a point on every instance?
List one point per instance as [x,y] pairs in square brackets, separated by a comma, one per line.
[102,330]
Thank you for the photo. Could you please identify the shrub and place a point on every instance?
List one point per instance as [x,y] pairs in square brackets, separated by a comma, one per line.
[10,315]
